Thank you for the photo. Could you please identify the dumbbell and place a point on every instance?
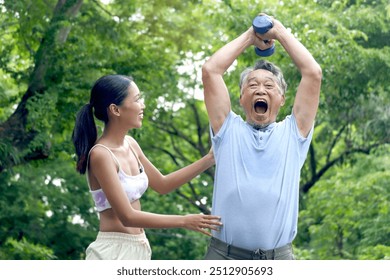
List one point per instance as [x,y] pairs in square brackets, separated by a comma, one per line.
[261,25]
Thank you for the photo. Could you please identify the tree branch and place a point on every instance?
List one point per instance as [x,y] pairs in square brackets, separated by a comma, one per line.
[308,185]
[201,206]
[334,142]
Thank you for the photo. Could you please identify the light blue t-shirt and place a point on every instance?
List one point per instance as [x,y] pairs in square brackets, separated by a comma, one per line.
[256,185]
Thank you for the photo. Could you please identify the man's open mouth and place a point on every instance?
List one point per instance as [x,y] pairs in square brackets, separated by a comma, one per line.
[261,106]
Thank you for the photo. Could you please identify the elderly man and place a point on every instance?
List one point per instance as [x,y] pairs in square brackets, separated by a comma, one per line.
[258,161]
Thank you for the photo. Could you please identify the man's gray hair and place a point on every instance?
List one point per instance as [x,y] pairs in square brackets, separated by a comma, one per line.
[263,64]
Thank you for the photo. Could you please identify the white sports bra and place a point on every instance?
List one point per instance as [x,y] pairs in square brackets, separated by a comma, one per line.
[134,186]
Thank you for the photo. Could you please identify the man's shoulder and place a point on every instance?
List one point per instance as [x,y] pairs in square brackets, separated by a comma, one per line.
[286,120]
[234,117]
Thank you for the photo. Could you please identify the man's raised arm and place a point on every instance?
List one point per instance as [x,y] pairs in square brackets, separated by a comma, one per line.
[308,92]
[216,95]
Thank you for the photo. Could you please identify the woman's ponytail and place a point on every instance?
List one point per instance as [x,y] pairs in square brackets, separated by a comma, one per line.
[84,136]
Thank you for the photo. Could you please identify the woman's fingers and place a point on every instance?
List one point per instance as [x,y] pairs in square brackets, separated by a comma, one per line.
[205,232]
[203,223]
[210,222]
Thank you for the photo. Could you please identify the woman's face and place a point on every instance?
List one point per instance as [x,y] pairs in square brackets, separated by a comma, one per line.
[132,109]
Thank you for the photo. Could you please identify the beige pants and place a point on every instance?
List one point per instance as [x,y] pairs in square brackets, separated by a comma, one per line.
[119,246]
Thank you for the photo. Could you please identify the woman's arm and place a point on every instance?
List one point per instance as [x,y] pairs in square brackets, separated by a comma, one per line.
[104,169]
[164,184]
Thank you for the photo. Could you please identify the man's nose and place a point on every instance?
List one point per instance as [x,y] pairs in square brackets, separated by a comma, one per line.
[260,90]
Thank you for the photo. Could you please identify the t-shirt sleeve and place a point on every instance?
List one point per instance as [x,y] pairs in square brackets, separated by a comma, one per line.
[216,138]
[304,142]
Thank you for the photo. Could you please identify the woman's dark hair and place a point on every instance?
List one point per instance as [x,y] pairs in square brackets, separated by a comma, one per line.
[110,89]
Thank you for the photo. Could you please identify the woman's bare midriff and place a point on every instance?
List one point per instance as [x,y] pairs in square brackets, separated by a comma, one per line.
[109,222]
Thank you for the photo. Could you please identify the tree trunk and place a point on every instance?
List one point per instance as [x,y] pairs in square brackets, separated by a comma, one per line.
[13,132]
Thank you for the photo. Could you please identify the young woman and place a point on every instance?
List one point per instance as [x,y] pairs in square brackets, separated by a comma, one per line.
[118,173]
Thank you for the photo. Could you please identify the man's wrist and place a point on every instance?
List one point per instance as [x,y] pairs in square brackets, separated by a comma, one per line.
[280,31]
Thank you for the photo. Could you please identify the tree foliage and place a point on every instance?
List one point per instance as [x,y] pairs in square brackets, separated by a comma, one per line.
[52,51]
[347,215]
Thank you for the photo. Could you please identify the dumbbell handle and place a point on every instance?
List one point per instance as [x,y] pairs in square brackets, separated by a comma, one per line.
[261,25]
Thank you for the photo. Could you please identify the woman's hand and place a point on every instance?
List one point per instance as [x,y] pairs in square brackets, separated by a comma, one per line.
[201,222]
[211,155]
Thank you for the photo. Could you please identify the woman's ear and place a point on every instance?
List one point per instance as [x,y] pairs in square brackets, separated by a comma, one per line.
[113,109]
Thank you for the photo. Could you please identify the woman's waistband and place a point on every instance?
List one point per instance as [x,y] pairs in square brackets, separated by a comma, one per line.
[120,236]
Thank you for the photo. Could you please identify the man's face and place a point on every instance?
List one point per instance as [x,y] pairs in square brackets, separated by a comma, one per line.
[261,98]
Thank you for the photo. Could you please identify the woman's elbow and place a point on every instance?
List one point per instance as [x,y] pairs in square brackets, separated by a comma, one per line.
[206,70]
[128,220]
[162,191]
[161,188]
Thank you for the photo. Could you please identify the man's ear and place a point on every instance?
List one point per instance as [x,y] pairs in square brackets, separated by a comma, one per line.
[283,100]
[114,110]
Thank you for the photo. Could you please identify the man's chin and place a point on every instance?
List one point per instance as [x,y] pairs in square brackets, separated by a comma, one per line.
[258,125]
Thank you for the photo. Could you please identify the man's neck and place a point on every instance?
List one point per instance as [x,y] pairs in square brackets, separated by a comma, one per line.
[258,126]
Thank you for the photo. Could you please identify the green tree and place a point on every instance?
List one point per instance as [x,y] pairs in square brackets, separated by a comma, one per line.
[99,39]
[348,214]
